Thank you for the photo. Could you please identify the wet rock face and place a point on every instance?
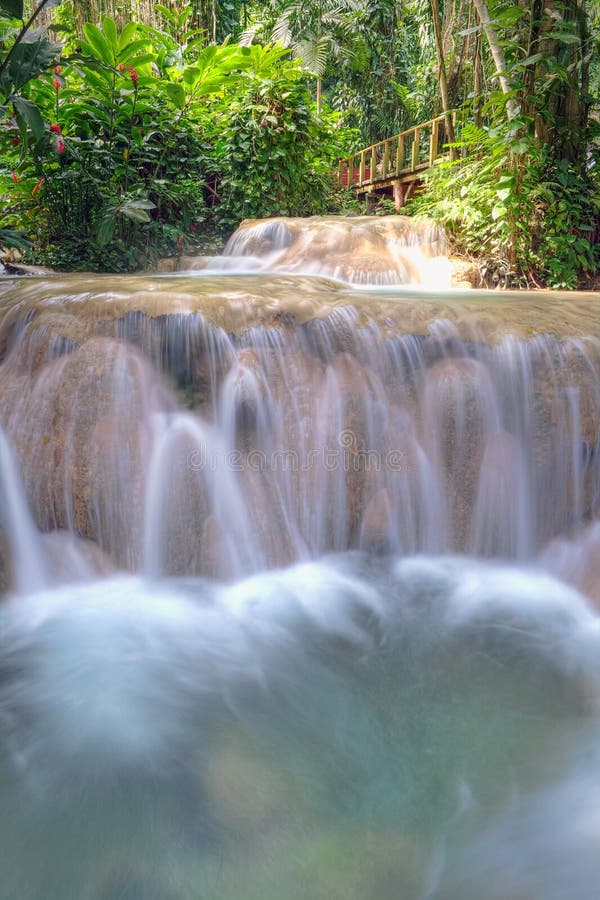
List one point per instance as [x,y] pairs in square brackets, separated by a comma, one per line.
[80,427]
[323,419]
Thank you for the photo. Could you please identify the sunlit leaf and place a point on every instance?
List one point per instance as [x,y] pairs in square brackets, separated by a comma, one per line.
[98,43]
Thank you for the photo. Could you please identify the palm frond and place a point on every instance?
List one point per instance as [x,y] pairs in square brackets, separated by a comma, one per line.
[250,35]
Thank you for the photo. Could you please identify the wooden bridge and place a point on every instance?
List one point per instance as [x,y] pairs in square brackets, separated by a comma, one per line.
[392,168]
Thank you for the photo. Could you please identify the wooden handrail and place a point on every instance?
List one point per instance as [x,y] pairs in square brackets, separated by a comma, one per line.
[379,162]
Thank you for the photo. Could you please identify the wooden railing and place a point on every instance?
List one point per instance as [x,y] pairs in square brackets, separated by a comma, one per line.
[405,154]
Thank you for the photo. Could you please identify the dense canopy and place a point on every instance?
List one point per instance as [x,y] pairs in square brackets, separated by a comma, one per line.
[131,130]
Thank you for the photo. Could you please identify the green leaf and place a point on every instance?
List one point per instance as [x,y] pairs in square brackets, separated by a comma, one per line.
[139,61]
[30,116]
[112,36]
[27,61]
[14,8]
[12,238]
[190,75]
[564,37]
[168,14]
[532,60]
[98,43]
[176,93]
[135,214]
[138,204]
[106,229]
[132,48]
[520,146]
[127,35]
[99,77]
[510,16]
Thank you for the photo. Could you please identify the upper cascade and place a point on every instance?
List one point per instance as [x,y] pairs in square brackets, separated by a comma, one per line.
[370,250]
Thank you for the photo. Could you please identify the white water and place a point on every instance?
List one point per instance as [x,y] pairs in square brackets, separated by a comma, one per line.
[379,728]
[236,713]
[366,250]
[18,528]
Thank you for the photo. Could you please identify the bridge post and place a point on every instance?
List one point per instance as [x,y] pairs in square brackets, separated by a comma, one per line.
[398,195]
[400,154]
[386,159]
[415,148]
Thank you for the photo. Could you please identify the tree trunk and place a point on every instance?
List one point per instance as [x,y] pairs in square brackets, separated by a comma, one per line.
[477,83]
[497,55]
[567,103]
[439,46]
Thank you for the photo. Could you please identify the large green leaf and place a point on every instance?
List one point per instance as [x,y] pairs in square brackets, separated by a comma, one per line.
[142,60]
[135,214]
[106,229]
[98,43]
[139,46]
[111,33]
[29,115]
[98,77]
[27,60]
[176,94]
[127,35]
[565,37]
[141,203]
[13,8]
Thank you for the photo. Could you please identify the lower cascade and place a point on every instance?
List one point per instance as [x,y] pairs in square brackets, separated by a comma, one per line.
[300,580]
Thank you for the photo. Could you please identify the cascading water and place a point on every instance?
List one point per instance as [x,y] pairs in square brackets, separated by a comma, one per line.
[301,615]
[18,528]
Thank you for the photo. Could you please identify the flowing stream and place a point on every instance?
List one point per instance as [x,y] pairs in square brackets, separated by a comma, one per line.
[300,562]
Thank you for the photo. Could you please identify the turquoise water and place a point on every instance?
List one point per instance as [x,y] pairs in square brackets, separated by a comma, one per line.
[353,728]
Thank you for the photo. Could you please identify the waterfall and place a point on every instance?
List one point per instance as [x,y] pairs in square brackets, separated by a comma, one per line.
[223,425]
[300,578]
[18,528]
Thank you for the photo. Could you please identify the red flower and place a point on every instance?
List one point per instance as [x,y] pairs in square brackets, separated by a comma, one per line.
[179,240]
[133,75]
[15,142]
[55,129]
[121,67]
[57,84]
[14,177]
[193,228]
[60,146]
[57,70]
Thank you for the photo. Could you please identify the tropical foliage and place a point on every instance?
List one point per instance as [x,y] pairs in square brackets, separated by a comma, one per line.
[144,141]
[524,190]
[158,126]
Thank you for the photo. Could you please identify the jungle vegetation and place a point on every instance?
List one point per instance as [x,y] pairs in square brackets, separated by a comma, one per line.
[133,129]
